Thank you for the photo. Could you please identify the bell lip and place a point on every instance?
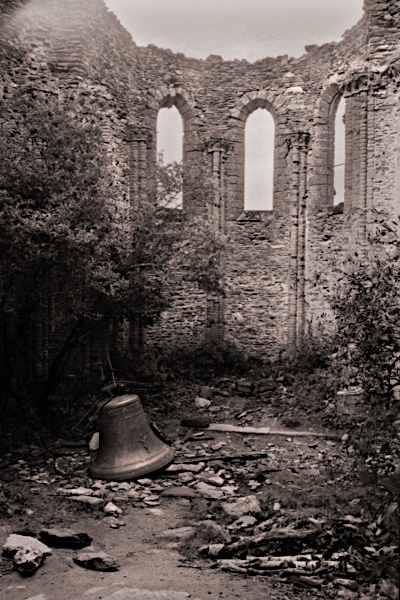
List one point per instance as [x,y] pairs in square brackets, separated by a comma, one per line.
[130,472]
[120,401]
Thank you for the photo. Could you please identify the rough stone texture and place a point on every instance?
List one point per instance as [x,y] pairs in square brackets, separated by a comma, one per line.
[97,561]
[65,538]
[15,542]
[272,256]
[28,560]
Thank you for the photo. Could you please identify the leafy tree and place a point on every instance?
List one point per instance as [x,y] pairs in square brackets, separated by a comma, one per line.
[367,307]
[74,252]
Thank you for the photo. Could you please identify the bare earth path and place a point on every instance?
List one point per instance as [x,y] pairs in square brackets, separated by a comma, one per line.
[300,479]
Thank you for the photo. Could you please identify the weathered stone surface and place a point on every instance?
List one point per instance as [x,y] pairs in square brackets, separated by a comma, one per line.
[112,509]
[81,491]
[16,542]
[270,250]
[65,538]
[209,491]
[28,560]
[242,506]
[90,500]
[202,402]
[179,467]
[97,561]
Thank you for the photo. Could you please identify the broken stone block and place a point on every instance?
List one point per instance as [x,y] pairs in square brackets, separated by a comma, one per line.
[90,500]
[212,479]
[112,509]
[65,538]
[16,542]
[208,491]
[186,477]
[97,561]
[242,506]
[28,560]
[81,491]
[177,468]
[202,402]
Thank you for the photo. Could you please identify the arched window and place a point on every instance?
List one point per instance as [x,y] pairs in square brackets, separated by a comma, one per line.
[169,151]
[339,153]
[259,161]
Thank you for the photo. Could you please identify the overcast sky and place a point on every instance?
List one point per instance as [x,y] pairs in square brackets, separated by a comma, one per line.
[250,29]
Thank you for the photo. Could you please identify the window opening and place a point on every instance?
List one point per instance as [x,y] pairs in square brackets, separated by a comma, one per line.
[259,161]
[339,154]
[169,157]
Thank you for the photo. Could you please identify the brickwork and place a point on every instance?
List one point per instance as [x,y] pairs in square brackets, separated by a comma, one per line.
[272,257]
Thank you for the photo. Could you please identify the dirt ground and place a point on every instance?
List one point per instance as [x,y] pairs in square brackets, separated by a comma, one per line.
[303,480]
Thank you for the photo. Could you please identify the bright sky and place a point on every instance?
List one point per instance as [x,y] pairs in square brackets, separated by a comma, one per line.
[250,29]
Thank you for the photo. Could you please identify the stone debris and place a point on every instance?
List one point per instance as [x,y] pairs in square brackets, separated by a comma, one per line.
[209,491]
[97,561]
[65,538]
[27,552]
[242,506]
[28,560]
[212,479]
[16,542]
[177,468]
[112,509]
[202,402]
[90,500]
[114,522]
[81,491]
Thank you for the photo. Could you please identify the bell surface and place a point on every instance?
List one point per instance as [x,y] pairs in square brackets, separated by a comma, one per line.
[128,447]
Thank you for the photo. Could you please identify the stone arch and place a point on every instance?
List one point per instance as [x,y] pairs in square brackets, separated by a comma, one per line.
[166,97]
[244,107]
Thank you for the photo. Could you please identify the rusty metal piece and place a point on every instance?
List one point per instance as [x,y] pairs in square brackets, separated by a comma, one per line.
[128,447]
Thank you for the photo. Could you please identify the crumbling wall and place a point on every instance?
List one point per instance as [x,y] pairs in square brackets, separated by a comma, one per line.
[272,258]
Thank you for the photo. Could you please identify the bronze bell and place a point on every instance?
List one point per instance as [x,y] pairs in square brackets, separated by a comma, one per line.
[128,447]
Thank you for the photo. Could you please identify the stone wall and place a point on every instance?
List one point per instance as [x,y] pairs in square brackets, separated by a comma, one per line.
[272,258]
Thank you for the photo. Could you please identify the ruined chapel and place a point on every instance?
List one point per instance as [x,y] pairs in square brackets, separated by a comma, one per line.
[272,254]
